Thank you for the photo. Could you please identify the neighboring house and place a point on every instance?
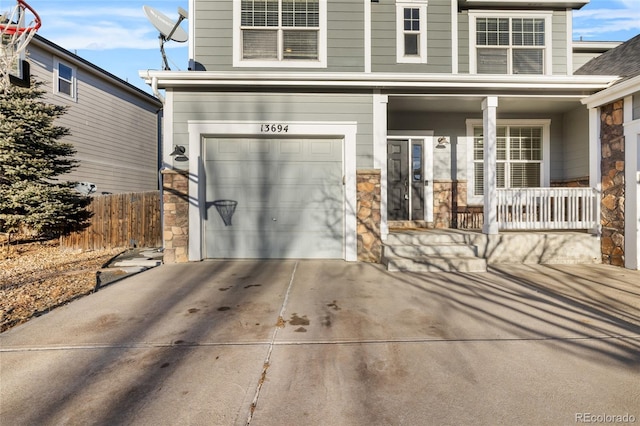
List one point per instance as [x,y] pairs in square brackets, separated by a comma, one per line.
[329,122]
[584,51]
[114,125]
[615,136]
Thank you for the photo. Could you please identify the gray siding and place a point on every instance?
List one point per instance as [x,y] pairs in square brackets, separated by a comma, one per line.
[214,36]
[560,42]
[278,107]
[345,33]
[575,142]
[581,58]
[384,32]
[463,43]
[114,132]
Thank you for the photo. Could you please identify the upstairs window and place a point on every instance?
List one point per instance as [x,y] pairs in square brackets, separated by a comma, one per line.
[280,32]
[411,21]
[511,45]
[65,80]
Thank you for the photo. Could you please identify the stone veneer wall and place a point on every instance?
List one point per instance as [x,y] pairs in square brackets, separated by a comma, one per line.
[612,167]
[449,198]
[175,185]
[368,211]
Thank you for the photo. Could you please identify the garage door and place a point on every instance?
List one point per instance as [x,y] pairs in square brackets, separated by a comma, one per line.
[289,196]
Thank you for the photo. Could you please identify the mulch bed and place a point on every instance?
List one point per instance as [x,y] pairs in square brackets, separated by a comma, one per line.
[36,277]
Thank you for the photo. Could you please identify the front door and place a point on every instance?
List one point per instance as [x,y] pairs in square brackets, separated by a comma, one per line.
[405,179]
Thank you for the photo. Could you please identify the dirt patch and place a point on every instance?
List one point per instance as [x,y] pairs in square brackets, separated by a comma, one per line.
[36,277]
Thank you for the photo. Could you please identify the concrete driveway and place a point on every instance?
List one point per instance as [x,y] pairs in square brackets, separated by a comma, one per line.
[332,343]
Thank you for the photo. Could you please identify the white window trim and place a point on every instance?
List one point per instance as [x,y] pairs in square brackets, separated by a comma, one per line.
[237,44]
[422,52]
[56,78]
[545,164]
[346,130]
[548,36]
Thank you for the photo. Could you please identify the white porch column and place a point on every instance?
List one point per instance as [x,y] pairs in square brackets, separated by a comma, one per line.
[595,171]
[380,155]
[632,187]
[490,150]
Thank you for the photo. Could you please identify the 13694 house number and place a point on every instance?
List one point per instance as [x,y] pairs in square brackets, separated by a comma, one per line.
[274,128]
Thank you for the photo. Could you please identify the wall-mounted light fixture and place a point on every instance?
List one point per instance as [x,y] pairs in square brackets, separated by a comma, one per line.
[443,141]
[178,153]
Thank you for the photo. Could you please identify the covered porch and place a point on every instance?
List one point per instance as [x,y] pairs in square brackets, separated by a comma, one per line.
[476,176]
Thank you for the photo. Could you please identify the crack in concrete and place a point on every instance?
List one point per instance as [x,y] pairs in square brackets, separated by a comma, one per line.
[267,362]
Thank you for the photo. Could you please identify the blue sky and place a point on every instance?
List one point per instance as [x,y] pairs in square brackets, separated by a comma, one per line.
[116,36]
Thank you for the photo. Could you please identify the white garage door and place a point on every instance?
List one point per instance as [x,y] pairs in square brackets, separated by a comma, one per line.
[289,196]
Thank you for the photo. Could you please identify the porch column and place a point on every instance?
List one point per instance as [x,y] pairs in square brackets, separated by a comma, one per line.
[490,150]
[380,104]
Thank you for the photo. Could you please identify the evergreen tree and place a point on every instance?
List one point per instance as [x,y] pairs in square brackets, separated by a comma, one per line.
[31,160]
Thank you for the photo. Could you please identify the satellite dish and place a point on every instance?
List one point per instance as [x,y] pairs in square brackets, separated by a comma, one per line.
[168,29]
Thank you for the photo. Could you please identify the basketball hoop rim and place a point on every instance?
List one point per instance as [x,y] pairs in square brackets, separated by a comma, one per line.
[12,29]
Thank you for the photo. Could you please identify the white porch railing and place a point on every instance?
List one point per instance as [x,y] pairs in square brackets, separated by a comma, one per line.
[546,208]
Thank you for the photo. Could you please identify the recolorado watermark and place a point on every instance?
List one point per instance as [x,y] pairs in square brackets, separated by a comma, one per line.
[605,418]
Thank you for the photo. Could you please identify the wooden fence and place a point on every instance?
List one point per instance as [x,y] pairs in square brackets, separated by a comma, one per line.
[120,220]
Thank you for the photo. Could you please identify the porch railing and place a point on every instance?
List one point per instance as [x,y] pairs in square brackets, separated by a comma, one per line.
[546,208]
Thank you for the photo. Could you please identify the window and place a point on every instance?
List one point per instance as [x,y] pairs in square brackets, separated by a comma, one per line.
[65,81]
[411,21]
[511,45]
[519,157]
[280,33]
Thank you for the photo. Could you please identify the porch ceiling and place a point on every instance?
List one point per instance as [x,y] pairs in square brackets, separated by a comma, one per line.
[472,104]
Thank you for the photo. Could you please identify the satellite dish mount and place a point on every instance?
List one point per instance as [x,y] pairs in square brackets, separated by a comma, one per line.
[168,29]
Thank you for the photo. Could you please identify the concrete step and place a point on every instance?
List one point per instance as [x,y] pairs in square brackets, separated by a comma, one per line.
[431,237]
[445,249]
[435,263]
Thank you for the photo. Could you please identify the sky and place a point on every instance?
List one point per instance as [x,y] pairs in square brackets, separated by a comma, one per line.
[116,35]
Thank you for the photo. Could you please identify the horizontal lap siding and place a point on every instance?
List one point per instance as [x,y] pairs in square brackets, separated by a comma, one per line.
[278,107]
[463,43]
[559,36]
[214,36]
[384,32]
[345,36]
[114,132]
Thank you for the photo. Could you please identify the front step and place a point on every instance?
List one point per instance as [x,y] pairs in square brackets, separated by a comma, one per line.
[431,251]
[438,263]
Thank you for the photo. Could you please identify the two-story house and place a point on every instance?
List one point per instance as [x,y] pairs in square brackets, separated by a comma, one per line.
[114,125]
[328,124]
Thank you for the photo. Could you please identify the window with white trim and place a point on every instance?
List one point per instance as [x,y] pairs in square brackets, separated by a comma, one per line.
[519,157]
[411,22]
[511,45]
[65,79]
[280,32]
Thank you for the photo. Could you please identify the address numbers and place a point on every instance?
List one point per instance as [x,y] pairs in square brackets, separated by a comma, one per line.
[274,128]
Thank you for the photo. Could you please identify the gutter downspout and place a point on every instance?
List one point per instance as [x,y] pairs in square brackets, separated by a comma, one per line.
[154,88]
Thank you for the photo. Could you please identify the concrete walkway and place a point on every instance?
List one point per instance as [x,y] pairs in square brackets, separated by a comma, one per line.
[332,343]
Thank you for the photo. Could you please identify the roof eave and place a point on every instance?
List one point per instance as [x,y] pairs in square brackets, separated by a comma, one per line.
[170,79]
[613,93]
